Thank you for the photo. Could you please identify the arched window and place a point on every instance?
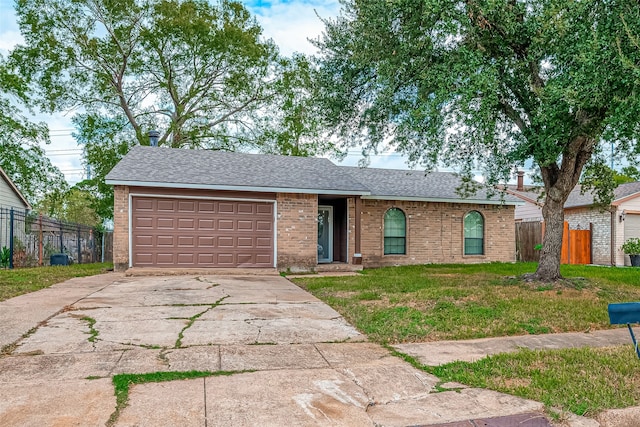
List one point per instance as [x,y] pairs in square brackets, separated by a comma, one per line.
[395,232]
[473,233]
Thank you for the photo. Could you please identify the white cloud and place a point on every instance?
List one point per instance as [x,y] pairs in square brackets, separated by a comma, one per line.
[9,39]
[291,23]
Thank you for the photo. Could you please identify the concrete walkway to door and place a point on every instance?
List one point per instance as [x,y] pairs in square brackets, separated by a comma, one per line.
[293,360]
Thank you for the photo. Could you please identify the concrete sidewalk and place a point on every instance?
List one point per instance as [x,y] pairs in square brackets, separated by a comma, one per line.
[292,360]
[440,352]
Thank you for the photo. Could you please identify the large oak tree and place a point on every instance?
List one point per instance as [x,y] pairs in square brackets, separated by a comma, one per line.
[488,84]
[200,72]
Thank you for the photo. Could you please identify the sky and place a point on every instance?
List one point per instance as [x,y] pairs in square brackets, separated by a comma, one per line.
[290,23]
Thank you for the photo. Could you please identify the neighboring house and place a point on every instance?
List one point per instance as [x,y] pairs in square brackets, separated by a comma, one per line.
[609,227]
[188,208]
[531,209]
[10,198]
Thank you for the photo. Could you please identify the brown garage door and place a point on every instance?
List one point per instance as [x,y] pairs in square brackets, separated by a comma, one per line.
[168,232]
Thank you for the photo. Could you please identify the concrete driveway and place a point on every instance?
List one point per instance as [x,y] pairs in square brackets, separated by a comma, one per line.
[294,360]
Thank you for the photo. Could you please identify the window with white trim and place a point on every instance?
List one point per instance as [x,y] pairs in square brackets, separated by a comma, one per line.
[473,233]
[395,232]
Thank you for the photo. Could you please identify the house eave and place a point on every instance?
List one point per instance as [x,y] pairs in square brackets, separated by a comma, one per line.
[236,188]
[4,175]
[444,200]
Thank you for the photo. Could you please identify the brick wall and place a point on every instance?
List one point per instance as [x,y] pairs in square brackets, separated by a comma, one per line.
[120,227]
[579,219]
[435,233]
[297,231]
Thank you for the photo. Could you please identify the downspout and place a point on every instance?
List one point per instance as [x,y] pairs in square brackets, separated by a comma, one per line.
[613,235]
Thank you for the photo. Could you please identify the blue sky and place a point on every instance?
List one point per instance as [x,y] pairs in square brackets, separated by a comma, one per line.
[290,23]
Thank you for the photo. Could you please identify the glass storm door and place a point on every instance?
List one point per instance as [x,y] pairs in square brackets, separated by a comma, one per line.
[325,234]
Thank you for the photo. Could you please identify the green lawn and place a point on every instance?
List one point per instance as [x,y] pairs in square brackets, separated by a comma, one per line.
[437,302]
[442,302]
[583,381]
[24,280]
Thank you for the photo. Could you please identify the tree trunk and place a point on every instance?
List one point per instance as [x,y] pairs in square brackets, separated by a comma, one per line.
[559,181]
[549,265]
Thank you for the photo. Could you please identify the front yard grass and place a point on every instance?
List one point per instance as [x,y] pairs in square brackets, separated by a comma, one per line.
[24,280]
[584,381]
[456,302]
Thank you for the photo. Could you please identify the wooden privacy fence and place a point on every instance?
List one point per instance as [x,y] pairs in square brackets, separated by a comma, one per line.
[576,244]
[528,235]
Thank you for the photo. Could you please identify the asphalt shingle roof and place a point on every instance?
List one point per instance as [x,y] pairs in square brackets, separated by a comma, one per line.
[218,168]
[263,172]
[576,199]
[395,183]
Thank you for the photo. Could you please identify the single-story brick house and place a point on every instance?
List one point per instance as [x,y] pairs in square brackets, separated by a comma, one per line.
[188,208]
[610,227]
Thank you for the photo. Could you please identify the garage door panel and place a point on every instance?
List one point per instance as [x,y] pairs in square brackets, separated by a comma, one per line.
[143,222]
[264,242]
[144,258]
[186,224]
[226,242]
[206,259]
[246,208]
[187,206]
[165,223]
[264,226]
[264,209]
[226,207]
[245,225]
[202,233]
[226,225]
[143,241]
[245,242]
[226,259]
[206,241]
[165,241]
[143,204]
[166,205]
[206,207]
[264,260]
[206,224]
[186,241]
[186,259]
[164,258]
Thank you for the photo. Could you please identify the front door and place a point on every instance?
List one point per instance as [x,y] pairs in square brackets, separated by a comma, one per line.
[325,234]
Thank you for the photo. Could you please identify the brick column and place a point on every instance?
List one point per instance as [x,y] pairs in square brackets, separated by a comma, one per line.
[297,231]
[121,227]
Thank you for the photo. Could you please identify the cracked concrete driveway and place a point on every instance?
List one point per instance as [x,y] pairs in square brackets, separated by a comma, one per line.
[294,360]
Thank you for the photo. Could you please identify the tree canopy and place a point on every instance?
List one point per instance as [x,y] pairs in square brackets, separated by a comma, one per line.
[487,84]
[21,155]
[200,73]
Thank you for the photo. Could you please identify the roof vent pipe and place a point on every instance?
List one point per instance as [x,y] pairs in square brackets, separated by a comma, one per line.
[154,136]
[520,186]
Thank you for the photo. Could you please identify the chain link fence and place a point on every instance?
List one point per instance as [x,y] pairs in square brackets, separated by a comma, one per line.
[28,239]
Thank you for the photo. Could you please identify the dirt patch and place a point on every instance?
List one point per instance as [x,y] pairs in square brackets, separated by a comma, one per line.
[513,383]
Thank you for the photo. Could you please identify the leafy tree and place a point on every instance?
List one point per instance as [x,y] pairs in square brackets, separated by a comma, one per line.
[200,73]
[74,205]
[21,155]
[630,174]
[487,84]
[298,127]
